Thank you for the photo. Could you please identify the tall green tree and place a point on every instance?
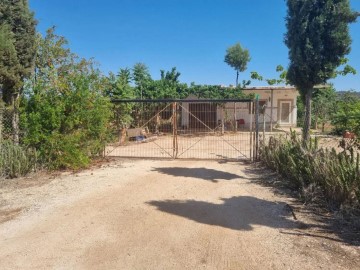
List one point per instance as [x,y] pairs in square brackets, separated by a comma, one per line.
[318,40]
[167,87]
[141,77]
[238,58]
[17,26]
[10,76]
[16,17]
[120,88]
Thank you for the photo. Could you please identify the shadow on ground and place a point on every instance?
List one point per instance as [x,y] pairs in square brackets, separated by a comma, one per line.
[236,213]
[331,224]
[201,173]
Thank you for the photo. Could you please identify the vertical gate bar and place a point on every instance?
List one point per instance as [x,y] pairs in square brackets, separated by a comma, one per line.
[257,128]
[264,125]
[174,124]
[251,129]
[271,112]
[176,131]
[235,123]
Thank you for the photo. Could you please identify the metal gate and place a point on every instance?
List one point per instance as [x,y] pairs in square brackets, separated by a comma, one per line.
[185,129]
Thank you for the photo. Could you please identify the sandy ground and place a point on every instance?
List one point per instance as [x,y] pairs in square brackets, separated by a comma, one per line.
[142,214]
[216,146]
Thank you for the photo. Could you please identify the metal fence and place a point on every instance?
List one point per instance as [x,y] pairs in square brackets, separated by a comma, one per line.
[185,129]
[329,142]
[6,124]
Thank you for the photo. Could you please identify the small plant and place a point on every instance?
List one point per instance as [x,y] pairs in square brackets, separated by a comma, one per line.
[337,174]
[15,160]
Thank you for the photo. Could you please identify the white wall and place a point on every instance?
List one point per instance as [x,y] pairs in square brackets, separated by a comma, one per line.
[242,109]
[278,94]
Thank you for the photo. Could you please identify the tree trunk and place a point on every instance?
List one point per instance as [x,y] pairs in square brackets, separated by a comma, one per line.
[307,121]
[237,78]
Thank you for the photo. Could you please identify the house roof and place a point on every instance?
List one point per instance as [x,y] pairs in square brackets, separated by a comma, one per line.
[270,88]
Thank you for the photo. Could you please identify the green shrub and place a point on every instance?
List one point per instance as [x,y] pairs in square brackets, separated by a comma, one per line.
[347,115]
[337,174]
[67,127]
[64,112]
[15,160]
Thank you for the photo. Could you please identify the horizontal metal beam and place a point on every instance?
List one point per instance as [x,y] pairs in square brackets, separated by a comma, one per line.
[180,100]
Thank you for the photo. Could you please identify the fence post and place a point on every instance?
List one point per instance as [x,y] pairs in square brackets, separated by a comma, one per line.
[174,123]
[257,127]
[251,130]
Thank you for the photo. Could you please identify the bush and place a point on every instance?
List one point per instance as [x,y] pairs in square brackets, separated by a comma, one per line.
[15,160]
[337,174]
[64,112]
[67,127]
[347,116]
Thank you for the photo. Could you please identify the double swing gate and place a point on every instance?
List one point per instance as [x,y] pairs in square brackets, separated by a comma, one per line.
[185,129]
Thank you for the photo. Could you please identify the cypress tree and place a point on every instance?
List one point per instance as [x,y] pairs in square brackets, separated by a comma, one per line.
[318,40]
[16,18]
[17,51]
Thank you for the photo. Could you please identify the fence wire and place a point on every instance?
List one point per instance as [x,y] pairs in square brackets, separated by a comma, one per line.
[330,142]
[184,129]
[6,124]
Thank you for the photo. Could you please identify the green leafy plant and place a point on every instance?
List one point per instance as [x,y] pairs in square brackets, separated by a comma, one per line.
[65,112]
[318,39]
[16,160]
[337,174]
[347,115]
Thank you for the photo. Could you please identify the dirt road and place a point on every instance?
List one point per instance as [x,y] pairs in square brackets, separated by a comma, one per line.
[160,215]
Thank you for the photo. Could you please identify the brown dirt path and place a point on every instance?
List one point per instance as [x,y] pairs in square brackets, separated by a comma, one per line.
[160,215]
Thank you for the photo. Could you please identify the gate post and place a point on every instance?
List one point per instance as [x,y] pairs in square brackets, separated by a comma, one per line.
[257,111]
[251,130]
[174,124]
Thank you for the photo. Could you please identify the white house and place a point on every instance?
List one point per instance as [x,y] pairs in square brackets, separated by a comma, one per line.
[278,104]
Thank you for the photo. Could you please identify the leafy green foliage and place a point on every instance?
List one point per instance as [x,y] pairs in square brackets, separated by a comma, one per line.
[16,160]
[347,115]
[17,26]
[120,88]
[142,78]
[168,87]
[65,112]
[282,76]
[216,92]
[238,58]
[10,75]
[324,106]
[318,40]
[338,174]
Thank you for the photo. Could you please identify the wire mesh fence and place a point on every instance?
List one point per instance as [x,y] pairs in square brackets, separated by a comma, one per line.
[15,158]
[329,142]
[338,143]
[7,131]
[189,129]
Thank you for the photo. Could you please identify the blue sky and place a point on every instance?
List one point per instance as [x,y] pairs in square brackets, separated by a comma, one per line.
[191,35]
